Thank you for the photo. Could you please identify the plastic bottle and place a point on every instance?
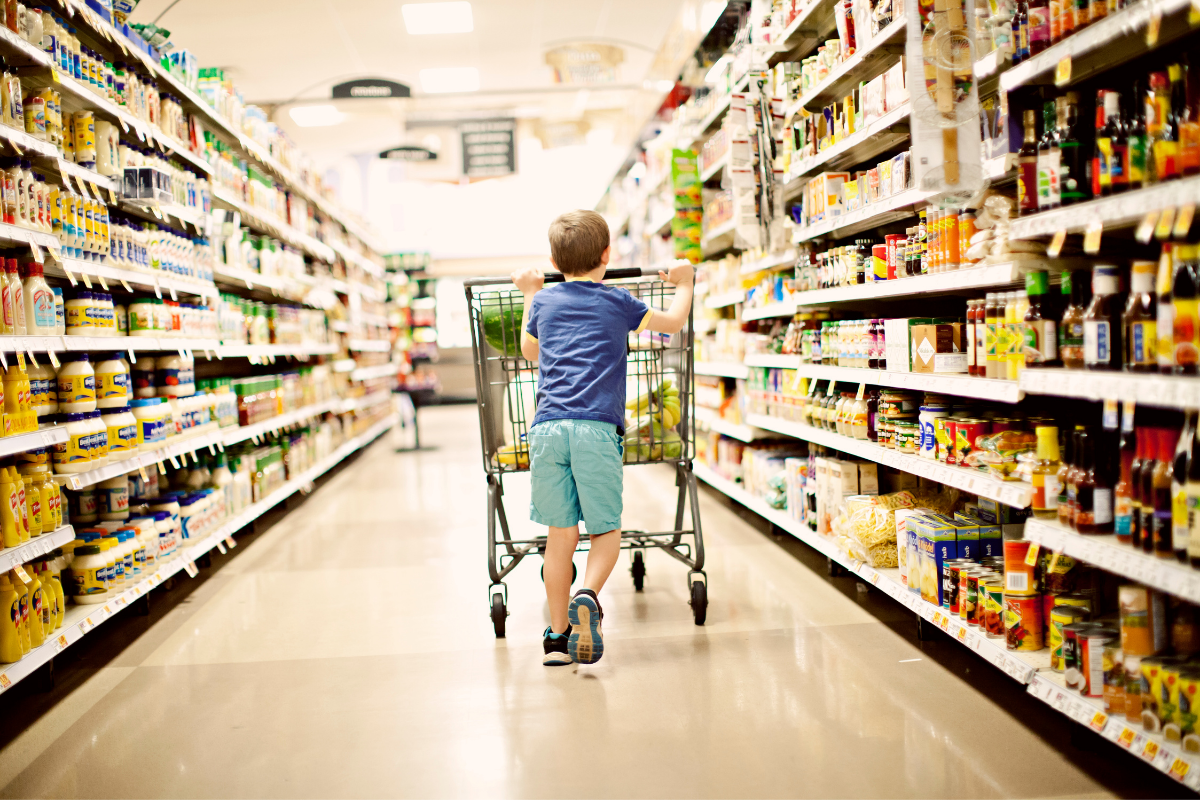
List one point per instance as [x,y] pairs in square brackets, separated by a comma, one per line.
[40,318]
[99,440]
[10,614]
[112,382]
[60,313]
[17,291]
[39,612]
[75,454]
[10,529]
[142,373]
[23,591]
[33,505]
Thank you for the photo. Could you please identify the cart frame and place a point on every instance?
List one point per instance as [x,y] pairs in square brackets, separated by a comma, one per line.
[500,380]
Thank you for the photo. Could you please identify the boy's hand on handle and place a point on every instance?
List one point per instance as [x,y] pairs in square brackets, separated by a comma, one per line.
[528,280]
[679,275]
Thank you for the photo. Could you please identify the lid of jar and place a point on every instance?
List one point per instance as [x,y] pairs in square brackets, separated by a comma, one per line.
[159,516]
[85,550]
[114,410]
[84,294]
[142,402]
[76,417]
[76,357]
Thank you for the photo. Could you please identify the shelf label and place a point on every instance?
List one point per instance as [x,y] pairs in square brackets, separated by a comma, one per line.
[53,358]
[1056,244]
[221,548]
[1183,221]
[1062,72]
[1032,554]
[190,568]
[87,281]
[1165,222]
[1150,750]
[5,681]
[231,543]
[1099,720]
[1153,28]
[862,390]
[1179,769]
[1091,237]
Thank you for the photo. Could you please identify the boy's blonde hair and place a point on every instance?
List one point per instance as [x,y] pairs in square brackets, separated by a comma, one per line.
[577,241]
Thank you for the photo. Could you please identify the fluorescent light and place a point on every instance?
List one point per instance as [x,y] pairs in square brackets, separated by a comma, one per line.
[714,72]
[422,18]
[316,116]
[445,80]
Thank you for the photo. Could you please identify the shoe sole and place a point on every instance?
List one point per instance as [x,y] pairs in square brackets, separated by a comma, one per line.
[556,660]
[585,645]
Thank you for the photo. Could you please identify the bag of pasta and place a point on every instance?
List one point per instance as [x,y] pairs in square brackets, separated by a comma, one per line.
[870,528]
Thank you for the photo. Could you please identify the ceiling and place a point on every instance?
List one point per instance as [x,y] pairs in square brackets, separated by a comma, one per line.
[280,52]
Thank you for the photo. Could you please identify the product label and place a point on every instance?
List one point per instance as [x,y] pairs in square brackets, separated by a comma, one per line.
[1186,331]
[76,388]
[86,581]
[1027,183]
[43,309]
[1143,338]
[112,385]
[141,317]
[114,501]
[1193,512]
[1048,170]
[76,449]
[168,377]
[1136,160]
[78,317]
[1045,492]
[122,438]
[150,431]
[1097,342]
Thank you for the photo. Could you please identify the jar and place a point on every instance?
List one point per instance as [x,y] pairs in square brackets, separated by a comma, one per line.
[43,389]
[929,413]
[99,439]
[858,418]
[112,382]
[113,495]
[122,428]
[87,581]
[169,374]
[142,376]
[907,436]
[167,542]
[143,317]
[83,508]
[75,454]
[121,318]
[76,384]
[81,313]
[896,403]
[106,323]
[150,415]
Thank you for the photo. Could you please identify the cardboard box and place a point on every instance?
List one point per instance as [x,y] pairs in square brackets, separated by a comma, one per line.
[895,94]
[991,541]
[937,541]
[900,172]
[939,348]
[902,517]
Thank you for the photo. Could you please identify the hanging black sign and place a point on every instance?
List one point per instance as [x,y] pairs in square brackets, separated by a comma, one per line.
[489,148]
[370,89]
[409,152]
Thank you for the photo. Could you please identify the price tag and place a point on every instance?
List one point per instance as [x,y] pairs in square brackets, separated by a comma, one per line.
[1031,555]
[5,681]
[1183,221]
[53,358]
[87,281]
[1056,244]
[1062,72]
[157,289]
[1153,28]
[1179,769]
[190,568]
[862,390]
[1150,750]
[1098,721]
[221,548]
[832,386]
[63,644]
[174,463]
[1165,223]
[20,572]
[231,543]
[142,473]
[1091,237]
[961,635]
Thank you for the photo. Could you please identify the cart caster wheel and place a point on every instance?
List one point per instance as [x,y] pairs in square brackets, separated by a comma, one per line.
[699,601]
[499,614]
[574,572]
[638,570]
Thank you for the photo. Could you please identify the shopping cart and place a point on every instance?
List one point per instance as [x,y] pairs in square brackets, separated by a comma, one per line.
[660,410]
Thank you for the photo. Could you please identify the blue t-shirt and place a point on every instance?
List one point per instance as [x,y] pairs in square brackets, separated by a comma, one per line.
[581,328]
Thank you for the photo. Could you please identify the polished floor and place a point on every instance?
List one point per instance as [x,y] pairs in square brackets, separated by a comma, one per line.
[346,651]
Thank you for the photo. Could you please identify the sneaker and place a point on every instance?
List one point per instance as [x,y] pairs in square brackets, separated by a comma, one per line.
[555,645]
[586,644]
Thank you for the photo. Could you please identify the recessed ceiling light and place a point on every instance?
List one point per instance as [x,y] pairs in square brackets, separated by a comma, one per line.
[316,116]
[421,18]
[445,80]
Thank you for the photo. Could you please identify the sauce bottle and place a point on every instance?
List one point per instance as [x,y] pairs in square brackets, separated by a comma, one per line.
[1149,466]
[1044,474]
[10,615]
[1161,487]
[1040,339]
[1070,331]
[1180,529]
[1142,436]
[1186,301]
[1122,492]
[1063,505]
[1016,333]
[1192,490]
[1084,476]
[1080,440]
[1101,479]
[1102,347]
[1140,320]
[1165,328]
[991,332]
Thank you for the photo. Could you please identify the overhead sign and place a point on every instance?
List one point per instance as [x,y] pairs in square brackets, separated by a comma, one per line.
[370,89]
[489,148]
[585,62]
[409,152]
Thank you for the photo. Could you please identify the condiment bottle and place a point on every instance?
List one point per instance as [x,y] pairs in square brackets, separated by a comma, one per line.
[1192,489]
[1122,501]
[1044,475]
[18,296]
[991,332]
[1080,439]
[1165,328]
[1102,347]
[1140,320]
[1179,471]
[1161,487]
[1141,436]
[10,615]
[1070,331]
[1016,334]
[1149,465]
[1041,335]
[1185,290]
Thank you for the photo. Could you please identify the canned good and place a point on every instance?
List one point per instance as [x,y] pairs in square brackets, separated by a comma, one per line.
[968,601]
[1001,424]
[890,241]
[1059,574]
[951,576]
[879,261]
[1133,688]
[1168,696]
[897,403]
[1072,653]
[943,432]
[907,437]
[1143,620]
[1061,616]
[1113,661]
[1189,685]
[992,619]
[1022,621]
[966,432]
[1092,643]
[929,414]
[1019,577]
[1150,688]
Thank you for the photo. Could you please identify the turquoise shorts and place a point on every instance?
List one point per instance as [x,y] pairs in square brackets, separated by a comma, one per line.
[576,471]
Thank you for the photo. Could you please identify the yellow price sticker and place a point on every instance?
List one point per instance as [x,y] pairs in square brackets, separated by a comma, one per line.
[1153,28]
[962,634]
[1110,414]
[1032,556]
[1179,769]
[862,390]
[1091,237]
[142,473]
[1145,228]
[1183,221]
[1099,720]
[21,359]
[87,281]
[1150,750]
[1062,72]
[1126,737]
[1056,244]
[1165,224]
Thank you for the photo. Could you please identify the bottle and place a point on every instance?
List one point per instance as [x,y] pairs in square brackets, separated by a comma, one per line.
[1139,320]
[1041,336]
[1063,505]
[1192,490]
[40,319]
[1140,461]
[1027,168]
[1137,155]
[1039,26]
[39,618]
[1044,473]
[1006,308]
[922,243]
[1102,347]
[981,352]
[1016,335]
[1111,148]
[1101,480]
[1081,438]
[1165,327]
[1185,302]
[1189,132]
[1161,487]
[10,615]
[1048,166]
[1164,137]
[1149,465]
[18,296]
[1180,466]
[1083,506]
[1020,32]
[991,332]
[23,590]
[970,337]
[1122,492]
[1074,186]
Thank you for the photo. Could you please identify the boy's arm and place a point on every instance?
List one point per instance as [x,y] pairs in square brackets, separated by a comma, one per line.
[529,282]
[673,319]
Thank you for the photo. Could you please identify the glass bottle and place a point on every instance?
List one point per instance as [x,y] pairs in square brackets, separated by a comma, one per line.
[1063,506]
[1041,339]
[1149,464]
[1141,436]
[873,396]
[1048,161]
[991,311]
[922,243]
[1180,528]
[1111,148]
[1140,320]
[1185,302]
[1137,159]
[1122,492]
[1165,327]
[1039,26]
[1073,183]
[1101,479]
[1027,167]
[1044,475]
[970,337]
[1189,131]
[1164,143]
[1102,347]
[1192,490]
[1020,32]
[1084,505]
[1161,488]
[1016,335]
[1070,330]
[1079,440]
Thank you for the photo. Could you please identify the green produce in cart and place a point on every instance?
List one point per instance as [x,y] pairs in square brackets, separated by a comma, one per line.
[502,325]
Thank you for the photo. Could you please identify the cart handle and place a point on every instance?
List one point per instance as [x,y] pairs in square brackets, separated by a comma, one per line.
[558,277]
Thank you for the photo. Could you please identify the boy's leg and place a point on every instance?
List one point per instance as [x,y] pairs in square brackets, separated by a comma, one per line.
[560,548]
[602,557]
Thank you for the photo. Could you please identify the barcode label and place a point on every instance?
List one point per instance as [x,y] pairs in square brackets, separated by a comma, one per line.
[1016,582]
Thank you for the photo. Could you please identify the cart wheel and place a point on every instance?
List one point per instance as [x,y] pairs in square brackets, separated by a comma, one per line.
[574,572]
[499,614]
[699,601]
[638,570]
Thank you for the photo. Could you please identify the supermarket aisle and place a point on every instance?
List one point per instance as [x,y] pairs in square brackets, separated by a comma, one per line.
[347,652]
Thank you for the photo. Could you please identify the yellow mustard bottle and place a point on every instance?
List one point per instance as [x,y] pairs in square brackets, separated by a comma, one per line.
[22,510]
[23,590]
[10,621]
[53,579]
[48,490]
[28,414]
[10,528]
[33,503]
[12,403]
[39,619]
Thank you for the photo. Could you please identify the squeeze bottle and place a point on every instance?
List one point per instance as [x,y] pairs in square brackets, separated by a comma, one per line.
[23,591]
[39,613]
[10,621]
[10,529]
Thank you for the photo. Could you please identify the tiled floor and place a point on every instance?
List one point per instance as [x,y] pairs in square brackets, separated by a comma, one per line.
[347,652]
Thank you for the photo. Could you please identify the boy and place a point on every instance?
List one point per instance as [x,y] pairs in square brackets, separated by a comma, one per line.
[577,331]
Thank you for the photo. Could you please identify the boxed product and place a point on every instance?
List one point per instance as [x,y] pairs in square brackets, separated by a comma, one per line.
[937,541]
[991,542]
[872,100]
[939,349]
[899,344]
[967,536]
[825,195]
[900,172]
[902,516]
[894,92]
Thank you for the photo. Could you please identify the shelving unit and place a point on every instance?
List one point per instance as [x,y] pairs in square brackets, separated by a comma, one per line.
[37,546]
[785,309]
[722,369]
[743,433]
[957,385]
[973,278]
[898,206]
[1170,391]
[725,299]
[82,619]
[1116,211]
[880,136]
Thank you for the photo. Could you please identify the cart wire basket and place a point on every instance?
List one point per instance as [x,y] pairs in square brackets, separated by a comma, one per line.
[660,426]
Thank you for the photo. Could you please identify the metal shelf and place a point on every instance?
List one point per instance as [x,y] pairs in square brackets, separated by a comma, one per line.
[885,133]
[209,436]
[770,263]
[867,63]
[35,440]
[705,418]
[157,280]
[718,239]
[35,547]
[890,209]
[784,309]
[724,299]
[1115,211]
[265,222]
[728,369]
[370,345]
[810,27]
[978,277]
[389,370]
[240,434]
[1152,389]
[958,385]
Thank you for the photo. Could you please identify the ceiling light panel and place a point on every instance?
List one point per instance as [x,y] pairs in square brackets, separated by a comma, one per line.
[447,80]
[316,116]
[425,18]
